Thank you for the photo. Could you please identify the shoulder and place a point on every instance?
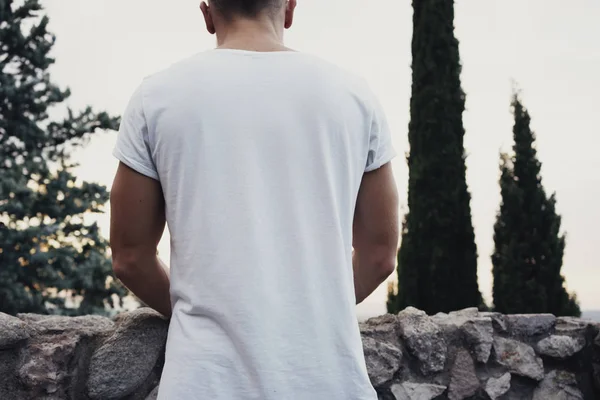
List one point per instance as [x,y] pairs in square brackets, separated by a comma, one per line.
[336,72]
[342,80]
[172,74]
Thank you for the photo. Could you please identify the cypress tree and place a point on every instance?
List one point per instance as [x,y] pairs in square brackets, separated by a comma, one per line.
[437,261]
[51,259]
[529,247]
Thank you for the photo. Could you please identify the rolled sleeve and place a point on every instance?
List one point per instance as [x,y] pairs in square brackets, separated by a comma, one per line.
[133,148]
[381,150]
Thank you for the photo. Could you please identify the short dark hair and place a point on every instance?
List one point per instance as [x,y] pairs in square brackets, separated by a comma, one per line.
[245,8]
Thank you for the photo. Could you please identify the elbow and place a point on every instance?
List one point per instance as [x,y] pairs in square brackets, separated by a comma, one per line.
[384,260]
[125,263]
[120,269]
[380,259]
[387,266]
[382,263]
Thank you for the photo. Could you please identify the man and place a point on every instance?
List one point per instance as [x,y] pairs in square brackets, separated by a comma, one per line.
[271,169]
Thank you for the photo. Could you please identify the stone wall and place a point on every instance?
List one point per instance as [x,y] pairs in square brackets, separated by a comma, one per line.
[411,356]
[472,355]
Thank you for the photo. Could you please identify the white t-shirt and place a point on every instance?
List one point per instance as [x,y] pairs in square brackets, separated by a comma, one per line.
[260,157]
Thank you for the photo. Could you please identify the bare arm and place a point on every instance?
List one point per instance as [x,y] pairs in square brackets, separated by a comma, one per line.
[137,223]
[376,231]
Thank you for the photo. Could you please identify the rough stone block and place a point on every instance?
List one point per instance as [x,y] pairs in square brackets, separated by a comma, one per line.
[85,326]
[424,340]
[530,325]
[519,358]
[558,385]
[479,335]
[125,360]
[417,391]
[46,364]
[571,326]
[561,347]
[498,321]
[383,360]
[496,387]
[384,328]
[463,379]
[12,331]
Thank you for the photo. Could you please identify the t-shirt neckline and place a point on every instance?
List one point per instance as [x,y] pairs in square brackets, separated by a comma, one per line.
[252,52]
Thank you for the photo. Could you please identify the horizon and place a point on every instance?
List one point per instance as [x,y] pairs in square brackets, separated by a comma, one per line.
[104,53]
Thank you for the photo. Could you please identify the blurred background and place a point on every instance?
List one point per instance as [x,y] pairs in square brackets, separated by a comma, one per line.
[104,48]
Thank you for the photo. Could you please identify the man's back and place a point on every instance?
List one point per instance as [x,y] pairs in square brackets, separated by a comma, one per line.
[260,157]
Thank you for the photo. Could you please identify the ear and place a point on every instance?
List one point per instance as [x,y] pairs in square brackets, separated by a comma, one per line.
[210,25]
[289,13]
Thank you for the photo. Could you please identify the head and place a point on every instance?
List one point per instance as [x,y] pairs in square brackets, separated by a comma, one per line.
[219,13]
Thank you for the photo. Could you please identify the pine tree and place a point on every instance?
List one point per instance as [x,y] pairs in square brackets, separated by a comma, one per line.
[51,259]
[437,261]
[528,244]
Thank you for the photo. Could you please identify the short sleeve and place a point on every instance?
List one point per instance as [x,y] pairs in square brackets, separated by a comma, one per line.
[133,148]
[381,151]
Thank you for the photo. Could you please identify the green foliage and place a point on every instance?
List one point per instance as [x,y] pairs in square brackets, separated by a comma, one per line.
[528,244]
[51,259]
[437,268]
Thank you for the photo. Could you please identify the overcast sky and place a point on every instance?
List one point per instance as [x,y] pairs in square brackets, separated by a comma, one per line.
[106,47]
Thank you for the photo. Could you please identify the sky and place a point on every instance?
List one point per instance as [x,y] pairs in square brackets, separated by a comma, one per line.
[549,50]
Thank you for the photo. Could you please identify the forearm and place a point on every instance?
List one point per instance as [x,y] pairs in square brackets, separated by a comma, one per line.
[368,275]
[363,284]
[149,281]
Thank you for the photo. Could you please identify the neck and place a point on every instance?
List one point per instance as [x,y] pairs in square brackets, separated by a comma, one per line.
[261,34]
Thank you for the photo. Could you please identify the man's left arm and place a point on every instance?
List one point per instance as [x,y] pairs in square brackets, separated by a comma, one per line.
[137,223]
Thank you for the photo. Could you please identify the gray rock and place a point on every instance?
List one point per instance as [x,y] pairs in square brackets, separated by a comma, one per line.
[416,391]
[463,380]
[469,325]
[597,340]
[27,317]
[383,328]
[449,326]
[527,325]
[153,394]
[478,334]
[85,326]
[560,347]
[10,387]
[498,321]
[471,312]
[455,319]
[423,339]
[46,362]
[496,387]
[519,358]
[558,385]
[12,331]
[571,326]
[137,344]
[596,376]
[383,360]
[594,327]
[444,320]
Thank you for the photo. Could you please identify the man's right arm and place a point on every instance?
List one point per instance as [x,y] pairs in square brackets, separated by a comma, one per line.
[375,231]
